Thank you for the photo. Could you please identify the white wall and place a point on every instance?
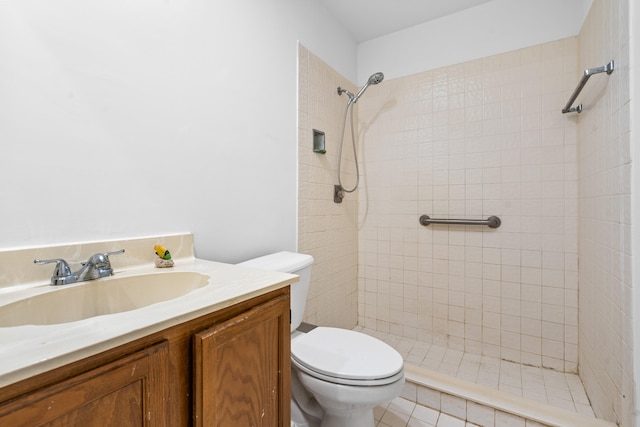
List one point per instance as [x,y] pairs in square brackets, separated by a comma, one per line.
[488,29]
[127,118]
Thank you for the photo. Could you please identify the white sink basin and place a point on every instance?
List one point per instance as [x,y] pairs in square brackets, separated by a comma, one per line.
[99,297]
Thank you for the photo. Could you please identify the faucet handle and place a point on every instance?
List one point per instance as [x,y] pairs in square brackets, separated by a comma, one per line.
[61,274]
[101,259]
[121,251]
[62,268]
[105,257]
[102,263]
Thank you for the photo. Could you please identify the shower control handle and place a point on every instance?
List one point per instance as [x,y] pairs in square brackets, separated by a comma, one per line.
[338,193]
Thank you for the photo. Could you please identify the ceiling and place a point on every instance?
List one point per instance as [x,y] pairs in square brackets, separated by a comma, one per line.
[368,19]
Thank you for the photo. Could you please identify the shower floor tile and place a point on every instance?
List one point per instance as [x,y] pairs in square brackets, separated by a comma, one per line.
[554,388]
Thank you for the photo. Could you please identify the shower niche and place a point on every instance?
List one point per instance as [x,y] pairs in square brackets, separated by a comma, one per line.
[318,142]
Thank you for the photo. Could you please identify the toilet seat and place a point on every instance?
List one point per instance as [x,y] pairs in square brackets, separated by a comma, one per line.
[346,357]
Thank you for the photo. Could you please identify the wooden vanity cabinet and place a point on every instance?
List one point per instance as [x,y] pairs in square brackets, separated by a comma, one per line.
[240,378]
[130,391]
[227,368]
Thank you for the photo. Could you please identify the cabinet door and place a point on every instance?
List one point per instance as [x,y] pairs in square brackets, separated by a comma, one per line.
[131,391]
[242,370]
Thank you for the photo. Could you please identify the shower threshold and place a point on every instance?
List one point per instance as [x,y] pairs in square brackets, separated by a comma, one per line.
[456,382]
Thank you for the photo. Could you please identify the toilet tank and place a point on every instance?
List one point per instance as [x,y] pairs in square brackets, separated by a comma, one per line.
[293,263]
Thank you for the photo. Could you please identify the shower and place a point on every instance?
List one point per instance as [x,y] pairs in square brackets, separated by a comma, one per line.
[339,190]
[374,79]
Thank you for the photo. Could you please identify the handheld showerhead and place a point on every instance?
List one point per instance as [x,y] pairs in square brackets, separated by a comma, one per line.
[340,190]
[374,79]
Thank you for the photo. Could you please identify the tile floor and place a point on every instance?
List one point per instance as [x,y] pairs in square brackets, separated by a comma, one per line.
[543,385]
[403,413]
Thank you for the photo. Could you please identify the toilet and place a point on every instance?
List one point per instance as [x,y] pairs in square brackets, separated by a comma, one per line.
[337,375]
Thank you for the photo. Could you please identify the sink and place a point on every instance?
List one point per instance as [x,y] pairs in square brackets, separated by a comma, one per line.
[99,297]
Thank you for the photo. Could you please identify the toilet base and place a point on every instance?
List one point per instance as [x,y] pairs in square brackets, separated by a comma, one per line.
[344,405]
[362,418]
[305,411]
[299,418]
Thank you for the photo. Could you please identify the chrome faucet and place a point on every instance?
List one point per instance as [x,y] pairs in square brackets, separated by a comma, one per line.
[98,265]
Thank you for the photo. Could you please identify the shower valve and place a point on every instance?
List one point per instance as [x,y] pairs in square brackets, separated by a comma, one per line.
[338,193]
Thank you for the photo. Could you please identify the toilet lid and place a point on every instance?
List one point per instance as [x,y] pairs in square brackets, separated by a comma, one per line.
[345,354]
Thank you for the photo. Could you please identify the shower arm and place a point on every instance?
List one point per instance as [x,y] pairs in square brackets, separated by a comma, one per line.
[349,94]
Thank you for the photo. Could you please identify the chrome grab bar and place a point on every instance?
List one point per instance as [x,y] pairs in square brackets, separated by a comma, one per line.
[493,221]
[583,81]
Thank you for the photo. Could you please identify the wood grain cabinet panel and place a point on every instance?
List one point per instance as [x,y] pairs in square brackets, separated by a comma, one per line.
[131,391]
[242,369]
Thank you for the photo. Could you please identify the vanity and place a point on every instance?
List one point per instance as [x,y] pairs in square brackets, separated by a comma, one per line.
[216,354]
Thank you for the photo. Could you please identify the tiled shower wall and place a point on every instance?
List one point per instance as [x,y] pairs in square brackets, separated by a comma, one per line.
[604,156]
[481,138]
[478,139]
[326,230]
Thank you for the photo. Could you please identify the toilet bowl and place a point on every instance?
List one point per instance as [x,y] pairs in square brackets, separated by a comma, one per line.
[347,372]
[338,375]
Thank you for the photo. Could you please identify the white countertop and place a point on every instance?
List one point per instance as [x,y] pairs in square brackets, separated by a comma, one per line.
[29,350]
